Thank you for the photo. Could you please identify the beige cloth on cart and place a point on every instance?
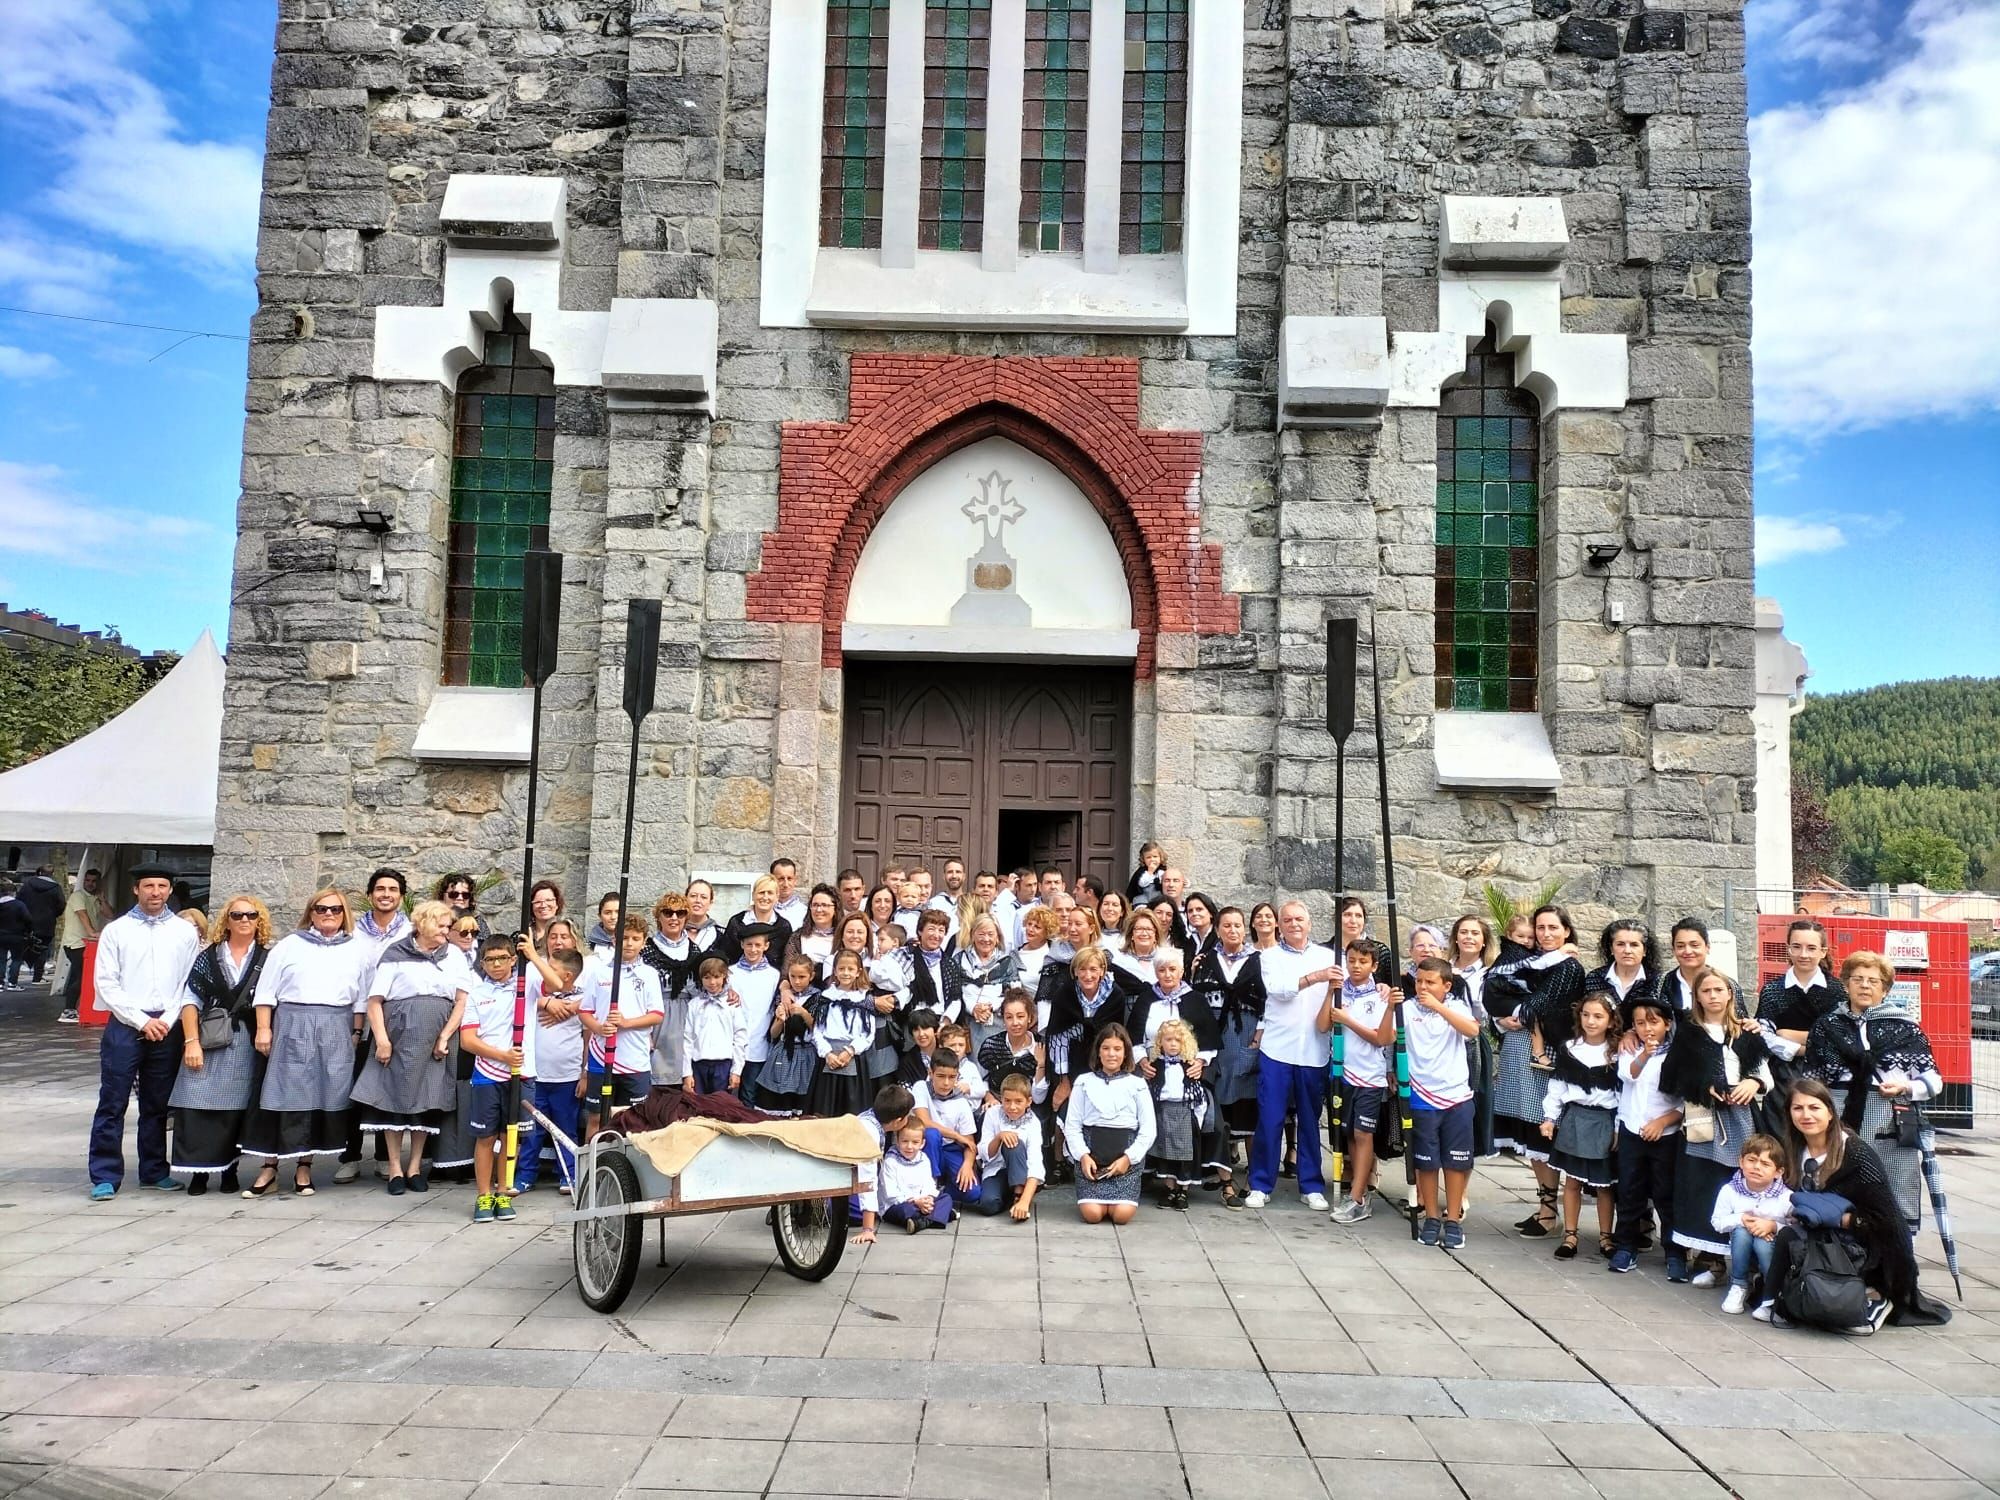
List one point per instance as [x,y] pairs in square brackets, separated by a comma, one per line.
[842,1139]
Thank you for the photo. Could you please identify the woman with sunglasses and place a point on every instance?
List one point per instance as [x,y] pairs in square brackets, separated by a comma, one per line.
[217,1083]
[458,891]
[308,1003]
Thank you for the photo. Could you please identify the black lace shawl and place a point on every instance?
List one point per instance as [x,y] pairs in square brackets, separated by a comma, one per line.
[676,974]
[1785,1008]
[1693,1069]
[1228,998]
[1574,1071]
[1544,997]
[1506,986]
[1834,1055]
[1598,982]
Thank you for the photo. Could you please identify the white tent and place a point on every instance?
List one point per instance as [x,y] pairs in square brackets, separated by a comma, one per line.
[147,777]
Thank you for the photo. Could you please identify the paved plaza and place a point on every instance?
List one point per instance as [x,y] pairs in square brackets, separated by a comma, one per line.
[357,1344]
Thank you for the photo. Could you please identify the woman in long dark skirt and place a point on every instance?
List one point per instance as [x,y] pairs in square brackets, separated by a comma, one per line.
[1718,1065]
[416,998]
[216,1084]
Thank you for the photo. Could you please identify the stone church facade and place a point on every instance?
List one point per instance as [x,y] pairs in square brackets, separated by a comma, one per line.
[1002,396]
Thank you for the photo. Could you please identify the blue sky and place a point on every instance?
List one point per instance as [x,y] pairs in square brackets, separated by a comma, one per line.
[129,139]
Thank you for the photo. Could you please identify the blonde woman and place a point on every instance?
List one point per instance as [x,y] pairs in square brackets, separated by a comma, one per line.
[219,1078]
[763,910]
[415,1003]
[1144,933]
[314,982]
[1718,1065]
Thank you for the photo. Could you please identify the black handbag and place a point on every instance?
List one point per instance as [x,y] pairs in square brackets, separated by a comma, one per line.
[1908,1118]
[1826,1288]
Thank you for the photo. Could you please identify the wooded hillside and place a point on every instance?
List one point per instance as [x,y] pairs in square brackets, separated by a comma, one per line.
[1904,761]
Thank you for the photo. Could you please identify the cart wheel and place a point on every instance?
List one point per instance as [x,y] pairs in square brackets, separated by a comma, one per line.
[607,1249]
[811,1236]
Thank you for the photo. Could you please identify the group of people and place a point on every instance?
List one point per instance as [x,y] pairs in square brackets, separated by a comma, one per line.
[1003,1033]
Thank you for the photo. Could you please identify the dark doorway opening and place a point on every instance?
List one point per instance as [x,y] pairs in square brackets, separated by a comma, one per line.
[1037,839]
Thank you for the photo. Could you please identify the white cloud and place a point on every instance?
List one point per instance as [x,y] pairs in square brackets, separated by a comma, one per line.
[1782,538]
[130,169]
[1821,33]
[50,276]
[24,364]
[1877,208]
[45,520]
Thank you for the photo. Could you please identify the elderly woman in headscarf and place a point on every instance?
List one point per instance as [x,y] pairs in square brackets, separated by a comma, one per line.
[1878,1063]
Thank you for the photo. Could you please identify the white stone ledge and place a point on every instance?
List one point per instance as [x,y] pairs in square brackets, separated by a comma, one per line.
[492,725]
[1494,752]
[931,641]
[1332,372]
[1490,233]
[953,289]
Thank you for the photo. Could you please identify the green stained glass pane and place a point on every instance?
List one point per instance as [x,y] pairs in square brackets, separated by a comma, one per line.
[1521,499]
[1493,696]
[1493,561]
[1492,595]
[1444,536]
[1493,498]
[1521,531]
[1467,431]
[1494,534]
[1471,496]
[1493,629]
[1465,661]
[1494,463]
[1466,591]
[1465,695]
[1466,531]
[1447,497]
[1496,434]
[494,410]
[1493,661]
[1468,464]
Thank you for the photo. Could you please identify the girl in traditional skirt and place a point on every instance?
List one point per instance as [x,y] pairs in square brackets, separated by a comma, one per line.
[1580,1118]
[1183,1112]
[407,1088]
[309,1000]
[1531,998]
[786,1084]
[216,1084]
[1718,1065]
[843,1032]
[1871,1055]
[1109,1128]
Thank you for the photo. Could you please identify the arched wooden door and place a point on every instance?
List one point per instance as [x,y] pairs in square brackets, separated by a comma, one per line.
[997,765]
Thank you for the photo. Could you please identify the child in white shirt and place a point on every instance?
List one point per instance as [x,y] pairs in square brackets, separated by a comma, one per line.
[640,1009]
[1751,1208]
[1010,1152]
[717,1034]
[907,1187]
[951,1134]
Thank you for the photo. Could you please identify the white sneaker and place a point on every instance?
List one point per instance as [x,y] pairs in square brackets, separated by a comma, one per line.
[1735,1299]
[1317,1202]
[1706,1278]
[1762,1311]
[1255,1199]
[1351,1212]
[347,1171]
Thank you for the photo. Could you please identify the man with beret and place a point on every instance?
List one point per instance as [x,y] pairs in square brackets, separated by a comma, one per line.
[143,960]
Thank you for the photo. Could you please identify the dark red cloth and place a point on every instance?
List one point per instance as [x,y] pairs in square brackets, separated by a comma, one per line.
[663,1106]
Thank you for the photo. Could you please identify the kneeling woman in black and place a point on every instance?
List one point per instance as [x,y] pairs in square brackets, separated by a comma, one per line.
[1827,1157]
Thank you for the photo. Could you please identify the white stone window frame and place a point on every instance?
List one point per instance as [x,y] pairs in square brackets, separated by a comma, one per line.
[1193,291]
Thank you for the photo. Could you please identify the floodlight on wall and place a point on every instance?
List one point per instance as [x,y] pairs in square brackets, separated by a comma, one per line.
[1603,554]
[374,522]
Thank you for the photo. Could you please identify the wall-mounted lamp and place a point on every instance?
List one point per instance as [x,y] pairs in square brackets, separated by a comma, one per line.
[1603,554]
[376,524]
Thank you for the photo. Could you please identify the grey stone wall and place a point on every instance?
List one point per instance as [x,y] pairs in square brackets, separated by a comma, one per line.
[1359,114]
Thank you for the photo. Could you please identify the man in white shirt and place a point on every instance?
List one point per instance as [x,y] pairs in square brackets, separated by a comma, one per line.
[791,905]
[143,960]
[947,899]
[1292,1055]
[853,892]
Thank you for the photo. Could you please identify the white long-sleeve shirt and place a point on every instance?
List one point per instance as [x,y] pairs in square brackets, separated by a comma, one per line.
[1028,1127]
[142,966]
[1291,1015]
[1122,1101]
[1640,1099]
[715,1030]
[638,995]
[846,1025]
[1560,1092]
[757,988]
[304,971]
[1734,1200]
[902,1181]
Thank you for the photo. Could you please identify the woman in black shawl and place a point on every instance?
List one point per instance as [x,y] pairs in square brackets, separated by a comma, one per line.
[1828,1157]
[1718,1065]
[1532,1000]
[1873,1054]
[217,1083]
[1229,980]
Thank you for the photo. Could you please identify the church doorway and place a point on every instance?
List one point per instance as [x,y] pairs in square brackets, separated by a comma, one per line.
[997,764]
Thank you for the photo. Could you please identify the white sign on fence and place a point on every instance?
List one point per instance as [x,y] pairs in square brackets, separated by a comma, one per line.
[1907,950]
[1911,993]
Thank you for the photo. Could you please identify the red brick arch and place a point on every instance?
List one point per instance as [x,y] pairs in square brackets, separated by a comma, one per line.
[909,411]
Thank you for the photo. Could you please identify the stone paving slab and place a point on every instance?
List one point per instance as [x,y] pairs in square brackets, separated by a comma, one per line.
[356,1345]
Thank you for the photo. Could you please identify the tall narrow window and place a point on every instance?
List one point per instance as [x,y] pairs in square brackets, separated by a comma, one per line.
[857,87]
[1487,533]
[1055,100]
[1156,59]
[501,474]
[951,195]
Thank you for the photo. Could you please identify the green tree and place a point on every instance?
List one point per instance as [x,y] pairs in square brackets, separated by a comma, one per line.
[49,697]
[1928,858]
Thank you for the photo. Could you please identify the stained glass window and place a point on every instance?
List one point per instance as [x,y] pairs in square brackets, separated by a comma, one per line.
[1155,144]
[857,86]
[501,473]
[1488,517]
[1055,100]
[951,193]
